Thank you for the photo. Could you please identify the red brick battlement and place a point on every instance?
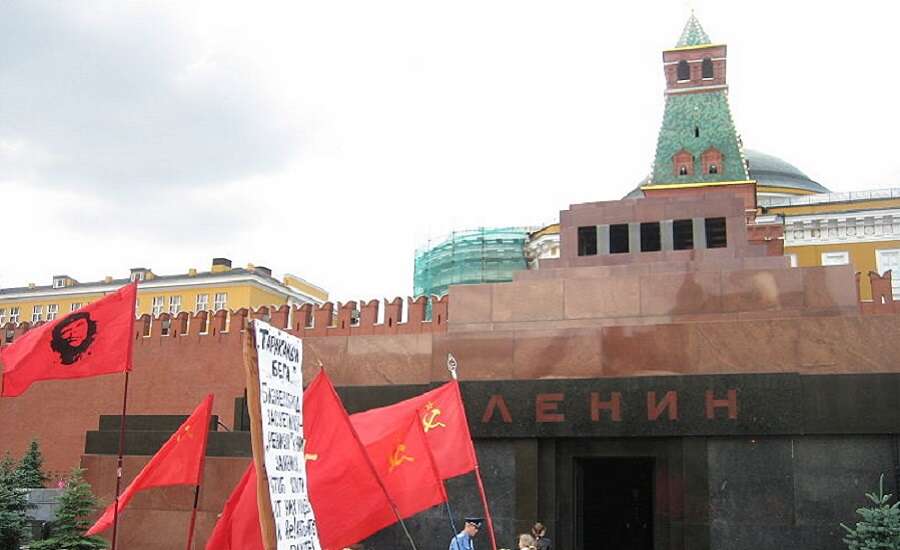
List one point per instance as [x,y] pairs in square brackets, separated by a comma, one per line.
[347,319]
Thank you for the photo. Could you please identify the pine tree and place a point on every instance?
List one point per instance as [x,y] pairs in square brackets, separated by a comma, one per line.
[8,472]
[31,474]
[880,525]
[13,505]
[76,505]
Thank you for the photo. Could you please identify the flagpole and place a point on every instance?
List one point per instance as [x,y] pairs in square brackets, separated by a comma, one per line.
[437,476]
[193,517]
[128,367]
[452,366]
[375,473]
[200,471]
[119,461]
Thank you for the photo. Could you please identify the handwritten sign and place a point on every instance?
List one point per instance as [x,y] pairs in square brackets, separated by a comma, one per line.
[280,356]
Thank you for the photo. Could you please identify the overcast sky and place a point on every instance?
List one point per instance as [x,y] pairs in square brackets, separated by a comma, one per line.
[330,138]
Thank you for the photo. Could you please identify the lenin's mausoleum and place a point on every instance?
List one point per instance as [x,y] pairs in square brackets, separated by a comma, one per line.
[669,372]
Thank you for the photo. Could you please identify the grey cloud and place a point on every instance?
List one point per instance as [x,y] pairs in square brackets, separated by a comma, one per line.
[125,107]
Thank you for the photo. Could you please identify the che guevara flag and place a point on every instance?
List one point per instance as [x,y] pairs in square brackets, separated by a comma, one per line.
[238,527]
[348,500]
[443,420]
[91,341]
[406,466]
[178,462]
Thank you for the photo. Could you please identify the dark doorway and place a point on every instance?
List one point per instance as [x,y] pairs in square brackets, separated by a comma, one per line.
[615,504]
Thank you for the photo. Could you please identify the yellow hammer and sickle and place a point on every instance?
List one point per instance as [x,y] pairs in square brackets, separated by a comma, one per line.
[430,422]
[310,456]
[398,457]
[186,434]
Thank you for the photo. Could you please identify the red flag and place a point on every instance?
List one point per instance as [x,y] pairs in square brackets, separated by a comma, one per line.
[238,527]
[348,500]
[91,341]
[178,462]
[443,420]
[405,465]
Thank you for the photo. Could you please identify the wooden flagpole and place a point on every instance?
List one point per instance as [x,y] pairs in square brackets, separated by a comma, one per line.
[437,476]
[193,523]
[119,462]
[263,501]
[190,539]
[452,366]
[375,472]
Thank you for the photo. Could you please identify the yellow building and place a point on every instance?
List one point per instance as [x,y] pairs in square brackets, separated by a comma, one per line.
[860,228]
[222,287]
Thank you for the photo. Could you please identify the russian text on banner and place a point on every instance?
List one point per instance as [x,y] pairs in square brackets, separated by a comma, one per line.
[277,357]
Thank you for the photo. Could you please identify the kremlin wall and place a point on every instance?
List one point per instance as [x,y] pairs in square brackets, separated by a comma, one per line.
[679,356]
[665,380]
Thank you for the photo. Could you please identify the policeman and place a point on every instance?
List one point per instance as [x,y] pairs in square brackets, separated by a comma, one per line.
[463,541]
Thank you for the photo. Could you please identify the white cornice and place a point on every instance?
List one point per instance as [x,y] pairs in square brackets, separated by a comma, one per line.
[675,91]
[841,228]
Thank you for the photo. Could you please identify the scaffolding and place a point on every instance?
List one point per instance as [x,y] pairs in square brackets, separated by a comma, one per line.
[483,255]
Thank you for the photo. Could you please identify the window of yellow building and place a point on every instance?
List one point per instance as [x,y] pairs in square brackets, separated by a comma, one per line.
[52,311]
[793,259]
[174,304]
[2,316]
[157,305]
[75,306]
[37,313]
[14,315]
[202,302]
[221,300]
[835,258]
[889,260]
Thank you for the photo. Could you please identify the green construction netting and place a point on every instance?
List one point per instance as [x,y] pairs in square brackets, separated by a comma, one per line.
[484,255]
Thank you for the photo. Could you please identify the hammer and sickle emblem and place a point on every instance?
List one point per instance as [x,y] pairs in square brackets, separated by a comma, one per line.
[430,421]
[310,457]
[398,457]
[185,434]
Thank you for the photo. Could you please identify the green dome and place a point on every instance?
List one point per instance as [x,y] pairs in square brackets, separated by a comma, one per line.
[771,171]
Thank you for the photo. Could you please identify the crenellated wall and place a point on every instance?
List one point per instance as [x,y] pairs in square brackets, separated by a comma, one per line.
[345,319]
[179,359]
[566,323]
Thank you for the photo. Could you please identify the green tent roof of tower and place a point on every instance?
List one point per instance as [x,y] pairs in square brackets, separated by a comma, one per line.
[693,34]
[695,122]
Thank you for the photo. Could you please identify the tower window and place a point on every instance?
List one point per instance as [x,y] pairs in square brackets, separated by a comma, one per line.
[711,159]
[696,131]
[683,234]
[707,68]
[587,241]
[684,71]
[650,237]
[683,163]
[618,238]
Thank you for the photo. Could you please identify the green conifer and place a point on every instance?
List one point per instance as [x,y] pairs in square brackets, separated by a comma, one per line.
[31,474]
[13,505]
[76,505]
[880,525]
[8,471]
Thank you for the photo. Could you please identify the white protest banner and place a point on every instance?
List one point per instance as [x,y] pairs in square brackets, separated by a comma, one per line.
[280,357]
